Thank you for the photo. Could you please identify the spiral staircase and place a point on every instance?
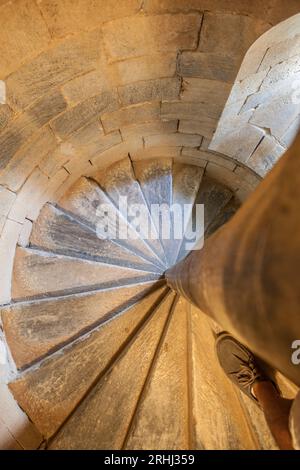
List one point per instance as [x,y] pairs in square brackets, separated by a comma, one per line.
[102,345]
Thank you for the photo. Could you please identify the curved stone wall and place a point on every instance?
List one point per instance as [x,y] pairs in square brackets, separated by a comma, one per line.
[84,83]
[262,115]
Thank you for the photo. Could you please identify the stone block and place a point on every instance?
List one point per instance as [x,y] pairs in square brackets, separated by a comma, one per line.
[25,233]
[247,176]
[65,18]
[189,111]
[229,34]
[150,90]
[26,124]
[173,140]
[142,68]
[130,115]
[248,86]
[205,91]
[28,196]
[140,35]
[7,199]
[280,52]
[156,152]
[53,67]
[205,126]
[210,157]
[8,240]
[5,116]
[23,34]
[58,158]
[84,87]
[210,66]
[149,128]
[78,116]
[118,152]
[265,156]
[240,143]
[24,161]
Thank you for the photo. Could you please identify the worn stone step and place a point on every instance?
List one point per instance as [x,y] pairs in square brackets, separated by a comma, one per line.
[50,393]
[42,274]
[119,181]
[103,418]
[186,183]
[219,419]
[155,178]
[55,231]
[163,407]
[214,196]
[84,200]
[36,329]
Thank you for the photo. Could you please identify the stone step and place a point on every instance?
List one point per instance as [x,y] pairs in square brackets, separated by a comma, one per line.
[50,393]
[214,196]
[119,181]
[42,274]
[155,178]
[55,231]
[163,407]
[101,421]
[38,328]
[218,416]
[186,184]
[84,200]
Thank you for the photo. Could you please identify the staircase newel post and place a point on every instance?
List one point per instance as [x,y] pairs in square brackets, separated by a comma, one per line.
[247,276]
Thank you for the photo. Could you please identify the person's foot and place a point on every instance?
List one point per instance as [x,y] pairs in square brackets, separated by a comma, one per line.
[239,364]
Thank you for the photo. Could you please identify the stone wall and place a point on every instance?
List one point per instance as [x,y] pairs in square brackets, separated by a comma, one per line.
[84,83]
[262,115]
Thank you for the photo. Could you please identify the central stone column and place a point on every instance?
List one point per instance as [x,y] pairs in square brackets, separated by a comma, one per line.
[247,276]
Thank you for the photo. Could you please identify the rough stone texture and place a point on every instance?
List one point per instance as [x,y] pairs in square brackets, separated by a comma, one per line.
[41,274]
[281,52]
[210,157]
[269,10]
[58,233]
[96,427]
[130,115]
[86,86]
[150,90]
[150,128]
[28,196]
[50,393]
[240,143]
[25,125]
[146,67]
[52,68]
[204,126]
[168,418]
[132,37]
[34,330]
[78,116]
[210,66]
[189,111]
[175,139]
[90,140]
[23,34]
[229,34]
[25,233]
[130,146]
[24,161]
[205,91]
[7,199]
[84,199]
[67,17]
[5,115]
[265,156]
